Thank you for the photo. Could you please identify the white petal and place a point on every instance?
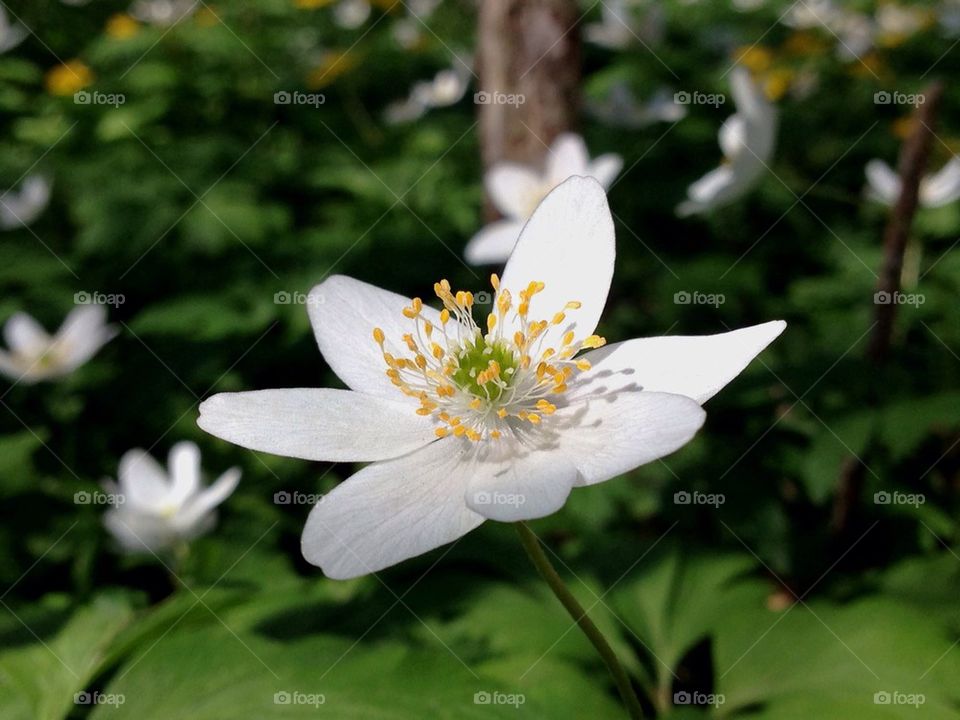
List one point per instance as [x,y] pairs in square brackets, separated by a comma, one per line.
[143,481]
[708,192]
[317,424]
[137,532]
[512,483]
[748,96]
[183,464]
[83,332]
[568,245]
[513,189]
[493,244]
[391,511]
[942,187]
[606,168]
[610,434]
[694,366]
[24,335]
[883,184]
[733,136]
[344,312]
[191,519]
[568,156]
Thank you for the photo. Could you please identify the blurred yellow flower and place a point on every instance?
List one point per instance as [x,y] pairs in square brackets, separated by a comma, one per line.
[206,17]
[777,82]
[68,78]
[332,65]
[804,44]
[311,4]
[121,26]
[756,58]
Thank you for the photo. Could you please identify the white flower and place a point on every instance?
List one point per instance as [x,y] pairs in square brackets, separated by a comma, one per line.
[620,108]
[936,189]
[32,354]
[463,424]
[11,34]
[163,13]
[620,27]
[516,190]
[446,88]
[747,140]
[351,14]
[158,509]
[19,208]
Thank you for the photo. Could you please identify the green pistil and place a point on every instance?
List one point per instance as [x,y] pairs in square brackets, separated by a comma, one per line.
[474,358]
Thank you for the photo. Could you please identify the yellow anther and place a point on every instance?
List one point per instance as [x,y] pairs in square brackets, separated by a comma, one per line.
[594,341]
[518,339]
[523,309]
[559,318]
[378,336]
[495,434]
[491,322]
[568,337]
[409,313]
[455,421]
[495,281]
[473,435]
[408,339]
[459,431]
[561,388]
[421,362]
[476,403]
[428,328]
[573,305]
[502,413]
[534,418]
[583,364]
[417,305]
[546,407]
[423,411]
[437,351]
[441,432]
[444,316]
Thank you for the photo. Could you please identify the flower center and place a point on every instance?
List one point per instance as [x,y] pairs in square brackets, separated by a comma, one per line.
[476,384]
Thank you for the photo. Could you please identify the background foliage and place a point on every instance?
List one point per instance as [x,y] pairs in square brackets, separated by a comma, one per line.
[199,199]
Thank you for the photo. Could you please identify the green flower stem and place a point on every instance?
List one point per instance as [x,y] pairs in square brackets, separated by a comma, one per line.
[540,561]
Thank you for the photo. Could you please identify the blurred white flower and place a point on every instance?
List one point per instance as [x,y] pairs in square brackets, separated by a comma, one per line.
[21,207]
[620,108]
[625,22]
[32,354]
[936,189]
[351,14]
[857,33]
[11,34]
[161,508]
[516,191]
[464,423]
[163,13]
[446,88]
[747,140]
